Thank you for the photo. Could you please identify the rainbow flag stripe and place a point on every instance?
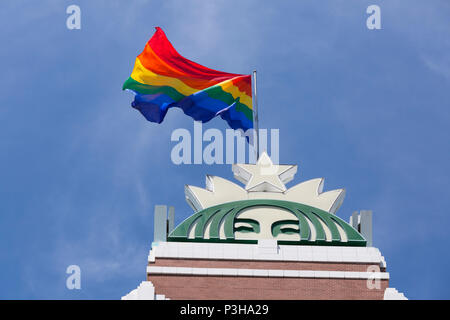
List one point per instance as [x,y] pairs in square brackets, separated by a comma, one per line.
[162,79]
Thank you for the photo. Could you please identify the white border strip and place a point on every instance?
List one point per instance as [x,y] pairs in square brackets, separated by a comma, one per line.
[267,273]
[230,251]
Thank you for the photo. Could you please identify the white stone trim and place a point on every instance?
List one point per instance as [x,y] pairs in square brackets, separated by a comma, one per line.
[145,291]
[238,251]
[393,294]
[271,273]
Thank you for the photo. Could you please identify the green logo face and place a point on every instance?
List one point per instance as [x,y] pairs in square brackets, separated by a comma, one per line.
[248,221]
[263,222]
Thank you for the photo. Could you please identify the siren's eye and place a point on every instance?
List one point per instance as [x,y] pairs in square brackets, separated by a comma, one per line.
[285,227]
[246,225]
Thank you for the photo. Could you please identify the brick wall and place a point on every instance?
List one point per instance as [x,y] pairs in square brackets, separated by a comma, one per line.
[201,287]
[179,287]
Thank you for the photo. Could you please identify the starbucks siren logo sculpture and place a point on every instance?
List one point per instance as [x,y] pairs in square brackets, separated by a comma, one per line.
[265,209]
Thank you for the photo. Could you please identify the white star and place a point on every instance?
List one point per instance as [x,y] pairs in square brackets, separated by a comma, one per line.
[264,175]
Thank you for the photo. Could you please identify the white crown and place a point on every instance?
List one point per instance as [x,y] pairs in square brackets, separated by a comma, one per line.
[263,180]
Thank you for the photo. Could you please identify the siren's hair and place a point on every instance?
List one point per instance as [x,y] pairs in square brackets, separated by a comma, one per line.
[315,226]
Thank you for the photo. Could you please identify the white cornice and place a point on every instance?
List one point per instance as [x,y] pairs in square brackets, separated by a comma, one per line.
[254,252]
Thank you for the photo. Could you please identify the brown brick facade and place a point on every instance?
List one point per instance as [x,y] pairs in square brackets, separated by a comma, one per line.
[262,288]
[200,287]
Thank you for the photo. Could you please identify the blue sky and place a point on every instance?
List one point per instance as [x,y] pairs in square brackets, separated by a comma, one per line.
[80,170]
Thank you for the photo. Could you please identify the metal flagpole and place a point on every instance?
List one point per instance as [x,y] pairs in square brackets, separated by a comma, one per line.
[255,117]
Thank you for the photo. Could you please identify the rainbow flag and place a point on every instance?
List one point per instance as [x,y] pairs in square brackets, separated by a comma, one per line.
[162,79]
